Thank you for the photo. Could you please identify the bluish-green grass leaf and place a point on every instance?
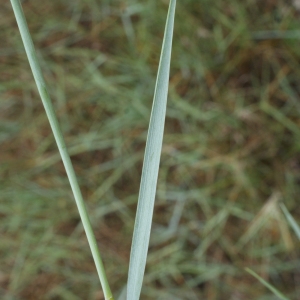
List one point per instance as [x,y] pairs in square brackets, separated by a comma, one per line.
[44,94]
[142,227]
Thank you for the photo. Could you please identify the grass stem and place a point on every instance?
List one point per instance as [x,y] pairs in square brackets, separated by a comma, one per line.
[41,85]
[267,285]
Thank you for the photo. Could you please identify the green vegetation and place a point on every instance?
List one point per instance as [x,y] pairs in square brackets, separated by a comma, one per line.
[266,284]
[45,97]
[296,228]
[291,220]
[144,214]
[142,228]
[230,152]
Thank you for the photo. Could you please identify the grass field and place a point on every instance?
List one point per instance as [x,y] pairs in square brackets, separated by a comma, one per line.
[231,150]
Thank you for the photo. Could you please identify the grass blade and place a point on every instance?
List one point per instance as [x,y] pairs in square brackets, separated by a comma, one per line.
[41,85]
[291,220]
[267,285]
[142,227]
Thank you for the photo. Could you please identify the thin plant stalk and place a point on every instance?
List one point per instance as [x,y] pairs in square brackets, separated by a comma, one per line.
[267,285]
[291,220]
[41,85]
[142,227]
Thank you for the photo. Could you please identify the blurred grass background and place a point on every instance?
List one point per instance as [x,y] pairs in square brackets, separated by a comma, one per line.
[231,148]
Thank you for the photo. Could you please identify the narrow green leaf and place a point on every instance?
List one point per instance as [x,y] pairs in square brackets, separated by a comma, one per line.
[41,85]
[291,220]
[267,285]
[142,227]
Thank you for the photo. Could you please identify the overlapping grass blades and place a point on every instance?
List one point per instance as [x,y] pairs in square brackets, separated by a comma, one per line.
[41,85]
[146,199]
[296,229]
